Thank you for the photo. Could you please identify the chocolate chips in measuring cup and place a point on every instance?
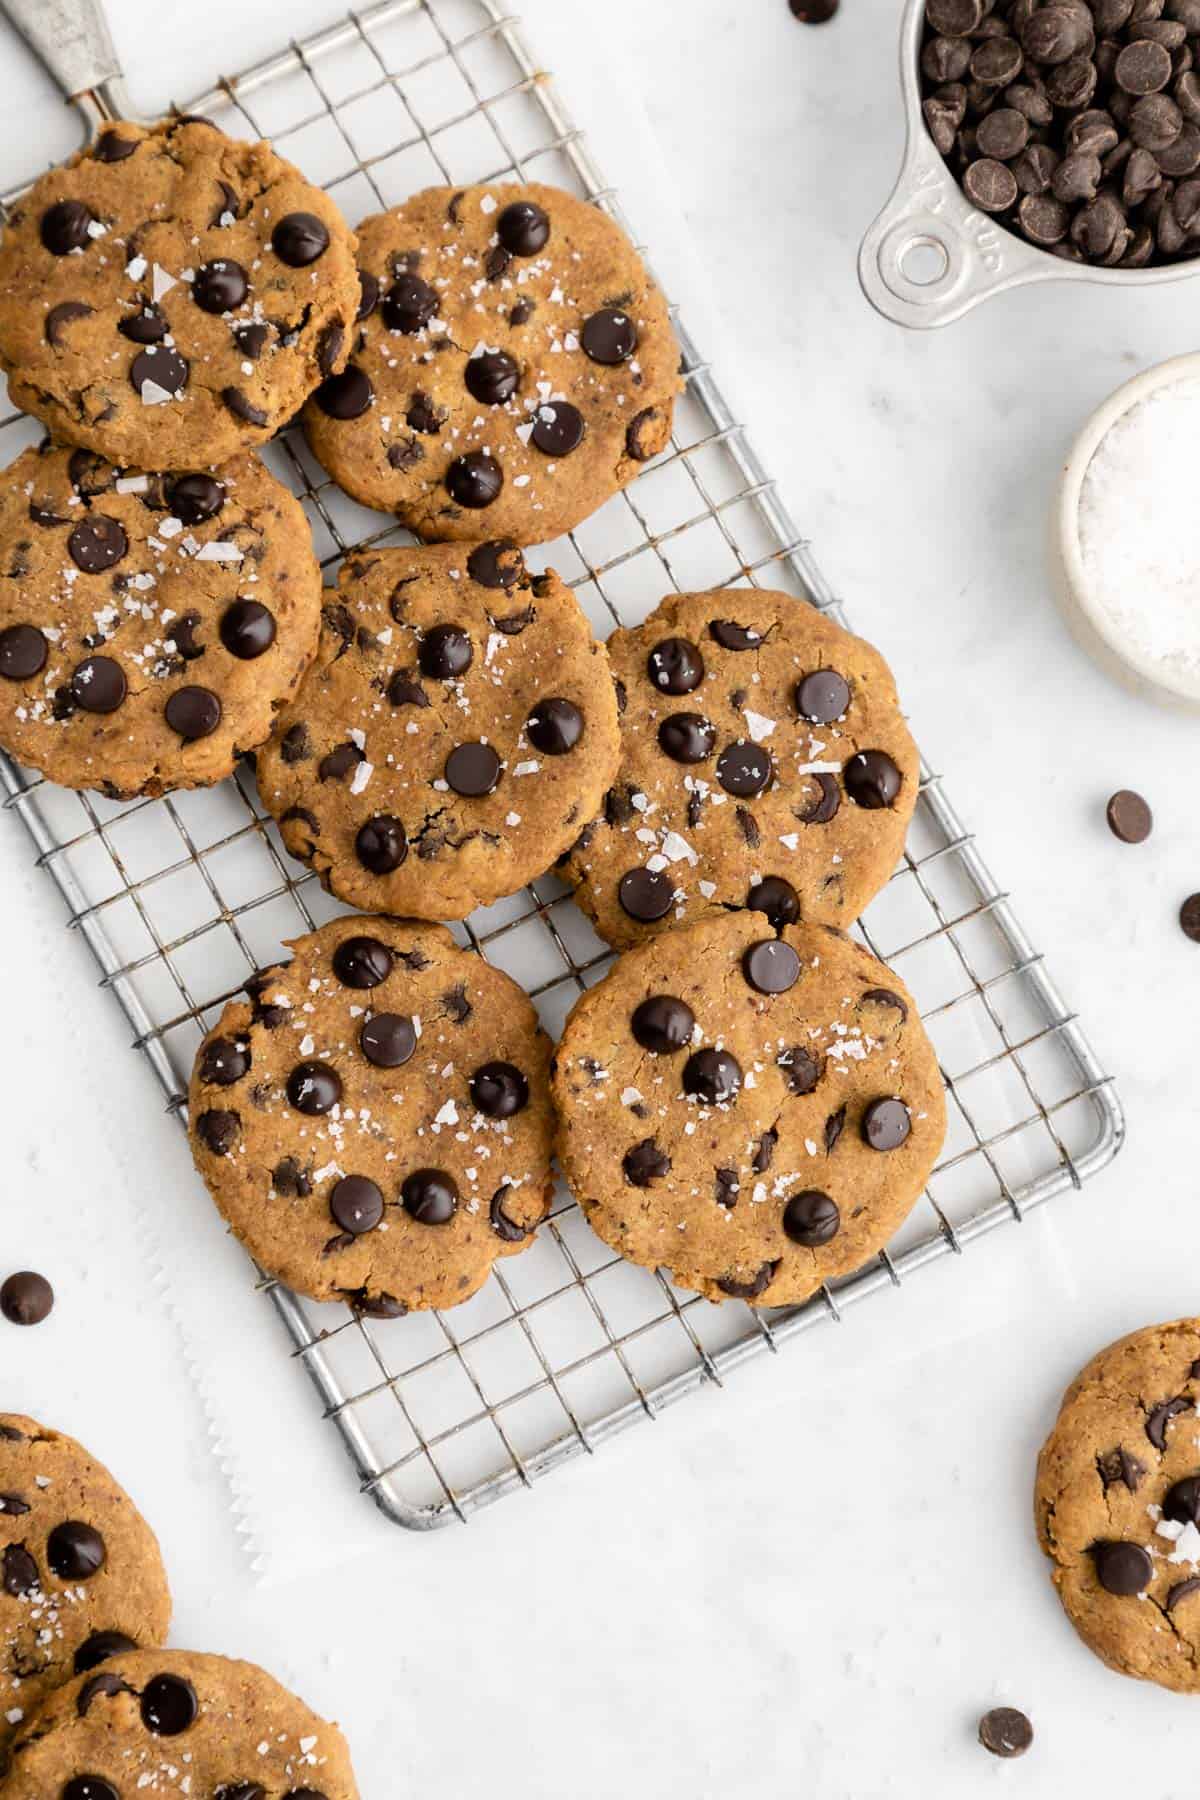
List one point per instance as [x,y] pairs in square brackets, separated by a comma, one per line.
[1076,123]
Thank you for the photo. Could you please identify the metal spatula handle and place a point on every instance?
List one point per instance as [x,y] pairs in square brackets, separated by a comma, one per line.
[71,39]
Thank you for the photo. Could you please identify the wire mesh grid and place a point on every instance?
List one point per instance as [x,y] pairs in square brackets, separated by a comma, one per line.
[181,898]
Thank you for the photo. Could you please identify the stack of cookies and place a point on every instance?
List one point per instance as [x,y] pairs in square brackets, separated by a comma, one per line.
[91,1708]
[748,1100]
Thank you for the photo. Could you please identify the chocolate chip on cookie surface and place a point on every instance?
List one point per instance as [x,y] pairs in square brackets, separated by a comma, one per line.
[1117,1504]
[150,625]
[765,762]
[80,1572]
[756,1114]
[458,727]
[169,297]
[514,365]
[375,1122]
[178,1722]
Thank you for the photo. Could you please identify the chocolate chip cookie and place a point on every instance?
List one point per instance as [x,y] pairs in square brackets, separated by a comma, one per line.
[150,625]
[457,728]
[176,1722]
[1117,1504]
[764,763]
[169,297]
[754,1112]
[375,1121]
[80,1573]
[514,365]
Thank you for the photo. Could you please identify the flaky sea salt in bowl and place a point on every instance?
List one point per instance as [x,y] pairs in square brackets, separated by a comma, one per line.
[1125,534]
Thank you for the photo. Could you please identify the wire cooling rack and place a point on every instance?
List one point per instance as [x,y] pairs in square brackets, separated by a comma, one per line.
[181,898]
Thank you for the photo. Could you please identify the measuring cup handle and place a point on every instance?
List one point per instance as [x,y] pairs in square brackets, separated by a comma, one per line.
[931,256]
[71,39]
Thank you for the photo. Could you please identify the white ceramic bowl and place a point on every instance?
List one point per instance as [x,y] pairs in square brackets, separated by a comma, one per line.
[1091,624]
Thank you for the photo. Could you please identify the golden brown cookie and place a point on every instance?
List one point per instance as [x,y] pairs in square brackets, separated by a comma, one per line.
[515,365]
[755,1113]
[150,625]
[765,762]
[375,1123]
[1117,1504]
[170,297]
[159,1722]
[457,728]
[81,1577]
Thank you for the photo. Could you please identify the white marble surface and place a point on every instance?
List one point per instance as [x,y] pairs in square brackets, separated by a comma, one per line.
[814,1582]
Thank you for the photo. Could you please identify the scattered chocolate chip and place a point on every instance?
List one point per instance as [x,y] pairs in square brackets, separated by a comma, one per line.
[388,1040]
[1005,1731]
[645,1163]
[648,894]
[193,712]
[886,1124]
[218,1130]
[776,898]
[1118,1465]
[523,228]
[290,1180]
[1122,1568]
[97,543]
[368,288]
[195,498]
[474,480]
[811,1218]
[99,1647]
[98,685]
[356,1204]
[162,365]
[26,1298]
[492,377]
[247,629]
[64,227]
[236,402]
[224,1061]
[429,1196]
[18,1571]
[554,726]
[300,238]
[713,1077]
[687,737]
[314,1088]
[663,1024]
[558,428]
[1129,817]
[169,1703]
[771,967]
[346,396]
[472,770]
[75,1551]
[498,1090]
[744,769]
[1182,1501]
[1189,918]
[62,315]
[362,962]
[111,147]
[507,1229]
[732,636]
[609,336]
[220,286]
[381,844]
[801,1070]
[822,696]
[409,304]
[675,666]
[23,652]
[1160,1416]
[496,564]
[872,779]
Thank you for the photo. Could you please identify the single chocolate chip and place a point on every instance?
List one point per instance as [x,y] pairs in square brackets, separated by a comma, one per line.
[23,652]
[885,997]
[554,726]
[220,286]
[886,1124]
[507,1229]
[445,652]
[472,770]
[162,366]
[753,1289]
[675,666]
[644,1163]
[609,336]
[111,147]
[771,967]
[89,1787]
[356,1204]
[474,480]
[62,315]
[338,762]
[496,564]
[388,1040]
[403,690]
[346,396]
[362,962]
[1180,1591]
[75,1551]
[26,1298]
[252,339]
[662,1024]
[194,712]
[523,228]
[430,1196]
[872,779]
[822,696]
[800,1068]
[492,377]
[290,1180]
[1122,1568]
[1043,219]
[813,12]
[18,1571]
[64,227]
[712,1076]
[98,685]
[1189,918]
[811,1218]
[648,894]
[381,844]
[218,1130]
[1129,817]
[314,1088]
[1117,1465]
[195,498]
[247,629]
[1143,67]
[744,769]
[409,304]
[237,403]
[1005,1731]
[776,898]
[299,239]
[1077,177]
[732,636]
[1160,1417]
[1002,134]
[13,1506]
[368,289]
[224,1061]
[687,737]
[169,1703]
[558,428]
[498,1090]
[329,346]
[1182,1501]
[990,185]
[405,455]
[99,1647]
[97,543]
